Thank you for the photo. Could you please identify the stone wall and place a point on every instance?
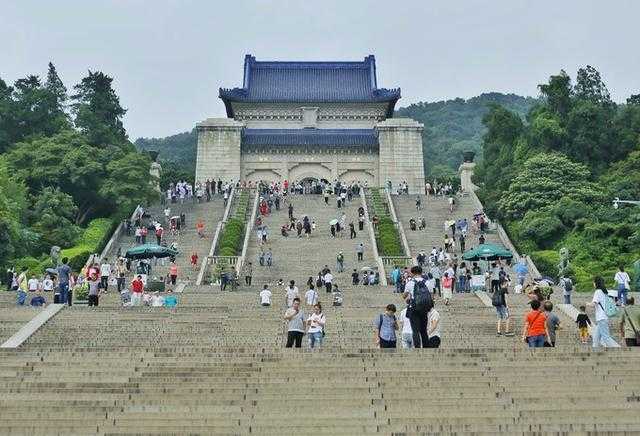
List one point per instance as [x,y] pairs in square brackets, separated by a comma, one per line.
[401,153]
[218,152]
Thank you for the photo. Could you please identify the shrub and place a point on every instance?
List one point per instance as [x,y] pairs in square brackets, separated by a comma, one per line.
[542,228]
[93,239]
[232,237]
[547,262]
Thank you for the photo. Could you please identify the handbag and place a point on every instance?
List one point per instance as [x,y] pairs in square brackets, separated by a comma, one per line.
[635,331]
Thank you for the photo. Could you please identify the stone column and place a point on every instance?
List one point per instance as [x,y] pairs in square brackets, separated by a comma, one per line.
[400,157]
[219,149]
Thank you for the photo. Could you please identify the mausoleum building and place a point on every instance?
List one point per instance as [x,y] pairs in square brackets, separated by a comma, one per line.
[311,120]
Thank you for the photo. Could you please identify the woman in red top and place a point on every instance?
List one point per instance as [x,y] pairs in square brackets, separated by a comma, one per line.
[194,260]
[173,272]
[535,330]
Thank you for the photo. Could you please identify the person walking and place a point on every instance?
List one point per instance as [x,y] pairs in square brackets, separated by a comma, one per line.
[583,323]
[622,281]
[315,326]
[552,323]
[447,288]
[406,334]
[340,262]
[499,301]
[534,331]
[433,328]
[386,325]
[327,278]
[360,251]
[64,272]
[265,296]
[566,284]
[94,290]
[601,300]
[295,318]
[420,302]
[630,323]
[173,273]
[291,293]
[352,231]
[248,273]
[311,296]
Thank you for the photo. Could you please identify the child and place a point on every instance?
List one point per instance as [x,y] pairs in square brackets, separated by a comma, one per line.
[583,322]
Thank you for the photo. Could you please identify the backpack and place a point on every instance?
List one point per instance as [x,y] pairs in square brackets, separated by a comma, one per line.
[496,299]
[422,299]
[610,308]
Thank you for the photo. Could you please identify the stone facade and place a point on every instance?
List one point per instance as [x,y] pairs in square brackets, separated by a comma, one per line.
[396,155]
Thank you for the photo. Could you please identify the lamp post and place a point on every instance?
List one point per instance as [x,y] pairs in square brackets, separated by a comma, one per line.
[617,201]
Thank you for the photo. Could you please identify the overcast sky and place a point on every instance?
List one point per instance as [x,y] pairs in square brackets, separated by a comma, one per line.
[169,58]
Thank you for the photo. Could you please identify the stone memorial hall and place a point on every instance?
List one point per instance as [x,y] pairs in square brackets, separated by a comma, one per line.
[311,120]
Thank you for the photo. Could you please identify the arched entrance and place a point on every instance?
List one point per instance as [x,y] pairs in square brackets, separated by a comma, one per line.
[312,185]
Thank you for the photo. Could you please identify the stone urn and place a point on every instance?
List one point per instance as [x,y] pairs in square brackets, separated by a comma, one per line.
[468,156]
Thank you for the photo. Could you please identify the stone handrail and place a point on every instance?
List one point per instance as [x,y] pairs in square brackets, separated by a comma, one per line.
[372,236]
[398,224]
[533,270]
[216,236]
[250,222]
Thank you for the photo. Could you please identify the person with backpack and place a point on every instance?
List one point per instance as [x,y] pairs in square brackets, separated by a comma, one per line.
[499,301]
[622,280]
[605,307]
[567,287]
[420,302]
[386,325]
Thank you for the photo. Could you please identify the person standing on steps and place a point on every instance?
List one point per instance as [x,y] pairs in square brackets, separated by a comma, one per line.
[296,324]
[386,325]
[407,333]
[340,262]
[290,212]
[499,301]
[311,297]
[622,281]
[361,222]
[462,242]
[265,296]
[630,323]
[360,251]
[328,281]
[600,334]
[291,293]
[268,257]
[326,197]
[352,231]
[534,330]
[566,284]
[248,273]
[173,273]
[418,203]
[419,302]
[315,326]
[355,277]
[433,328]
[552,322]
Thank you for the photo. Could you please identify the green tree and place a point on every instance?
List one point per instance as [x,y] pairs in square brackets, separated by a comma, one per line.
[557,93]
[52,216]
[13,203]
[545,179]
[97,110]
[56,95]
[590,87]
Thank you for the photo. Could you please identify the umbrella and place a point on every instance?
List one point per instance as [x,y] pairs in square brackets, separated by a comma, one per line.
[147,251]
[449,223]
[487,252]
[51,271]
[366,268]
[333,222]
[521,269]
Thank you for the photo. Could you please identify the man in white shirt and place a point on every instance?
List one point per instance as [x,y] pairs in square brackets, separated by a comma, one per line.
[33,284]
[311,297]
[407,333]
[291,293]
[433,328]
[265,296]
[47,284]
[328,281]
[105,272]
[622,280]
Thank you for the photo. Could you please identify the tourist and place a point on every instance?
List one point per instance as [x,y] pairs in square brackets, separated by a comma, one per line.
[601,299]
[170,300]
[33,284]
[340,262]
[121,272]
[265,296]
[295,329]
[247,269]
[137,288]
[157,300]
[418,203]
[386,326]
[105,273]
[481,239]
[360,251]
[433,328]
[315,325]
[436,273]
[622,281]
[352,231]
[159,231]
[173,273]
[327,279]
[584,323]
[268,257]
[534,331]
[499,301]
[447,288]
[361,222]
[407,333]
[396,278]
[194,261]
[552,323]
[94,289]
[495,276]
[420,301]
[47,283]
[566,284]
[311,296]
[38,300]
[355,277]
[630,323]
[291,293]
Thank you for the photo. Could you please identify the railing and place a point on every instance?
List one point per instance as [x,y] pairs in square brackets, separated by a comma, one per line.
[397,260]
[247,234]
[374,246]
[216,236]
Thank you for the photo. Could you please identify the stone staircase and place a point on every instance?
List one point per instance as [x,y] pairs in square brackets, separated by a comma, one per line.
[187,240]
[216,365]
[300,258]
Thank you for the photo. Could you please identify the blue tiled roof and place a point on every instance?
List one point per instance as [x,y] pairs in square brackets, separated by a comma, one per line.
[309,82]
[255,139]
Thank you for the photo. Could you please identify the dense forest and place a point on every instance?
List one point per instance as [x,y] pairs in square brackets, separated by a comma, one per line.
[68,172]
[451,127]
[552,178]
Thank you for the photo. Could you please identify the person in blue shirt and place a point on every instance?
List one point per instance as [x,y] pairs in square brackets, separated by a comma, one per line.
[386,325]
[38,300]
[170,300]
